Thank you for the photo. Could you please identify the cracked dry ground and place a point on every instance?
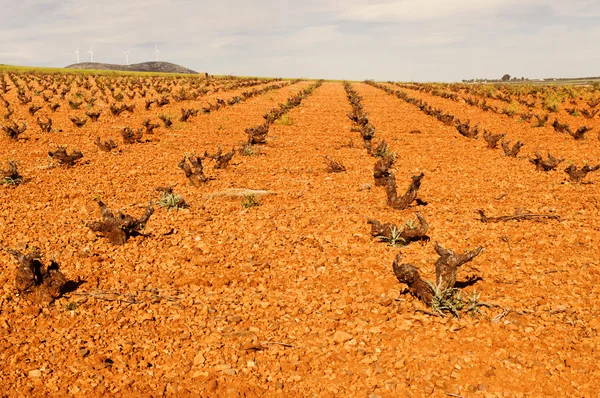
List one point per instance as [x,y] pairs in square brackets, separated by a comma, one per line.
[294,297]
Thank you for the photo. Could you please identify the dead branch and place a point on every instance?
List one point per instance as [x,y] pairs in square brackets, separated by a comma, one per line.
[580,133]
[258,134]
[545,165]
[409,275]
[45,126]
[187,113]
[358,116]
[150,126]
[577,175]
[149,103]
[13,130]
[78,121]
[447,265]
[94,116]
[560,127]
[195,176]
[117,110]
[367,131]
[11,175]
[466,130]
[222,161]
[381,170]
[518,216]
[120,227]
[382,150]
[131,137]
[33,109]
[32,276]
[492,139]
[333,166]
[590,113]
[402,202]
[139,297]
[107,145]
[446,118]
[511,152]
[166,119]
[65,159]
[541,120]
[409,233]
[593,102]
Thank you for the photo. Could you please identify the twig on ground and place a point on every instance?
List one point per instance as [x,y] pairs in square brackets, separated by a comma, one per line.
[517,216]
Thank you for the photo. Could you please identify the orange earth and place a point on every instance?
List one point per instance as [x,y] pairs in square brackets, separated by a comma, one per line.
[294,297]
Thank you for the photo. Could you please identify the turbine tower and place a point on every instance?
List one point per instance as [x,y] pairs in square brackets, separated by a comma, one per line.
[91,52]
[156,52]
[126,56]
[77,52]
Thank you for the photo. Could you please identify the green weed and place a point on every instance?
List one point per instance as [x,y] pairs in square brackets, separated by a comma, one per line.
[249,201]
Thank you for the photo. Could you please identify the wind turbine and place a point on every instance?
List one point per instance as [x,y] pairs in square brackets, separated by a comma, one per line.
[91,52]
[77,52]
[126,56]
[156,52]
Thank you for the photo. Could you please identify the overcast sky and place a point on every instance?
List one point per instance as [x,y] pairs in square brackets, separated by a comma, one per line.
[408,40]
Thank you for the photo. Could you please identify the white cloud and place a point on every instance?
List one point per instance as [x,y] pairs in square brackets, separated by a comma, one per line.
[418,10]
[578,9]
[310,36]
[401,39]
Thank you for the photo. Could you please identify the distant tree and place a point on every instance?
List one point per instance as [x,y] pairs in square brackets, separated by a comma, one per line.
[506,78]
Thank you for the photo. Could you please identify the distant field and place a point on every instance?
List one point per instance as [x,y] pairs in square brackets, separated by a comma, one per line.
[22,69]
[562,82]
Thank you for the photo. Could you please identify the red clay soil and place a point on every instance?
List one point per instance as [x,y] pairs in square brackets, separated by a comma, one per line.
[293,297]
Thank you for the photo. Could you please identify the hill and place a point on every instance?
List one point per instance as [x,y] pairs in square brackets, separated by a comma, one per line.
[158,67]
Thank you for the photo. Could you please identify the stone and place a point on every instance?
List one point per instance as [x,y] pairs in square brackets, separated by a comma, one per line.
[199,359]
[340,337]
[35,373]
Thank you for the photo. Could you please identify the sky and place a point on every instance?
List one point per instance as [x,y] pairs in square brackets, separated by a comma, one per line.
[401,40]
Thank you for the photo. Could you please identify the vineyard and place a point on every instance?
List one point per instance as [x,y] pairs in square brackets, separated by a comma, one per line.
[223,236]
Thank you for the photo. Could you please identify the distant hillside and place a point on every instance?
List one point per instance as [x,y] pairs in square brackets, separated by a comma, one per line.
[158,67]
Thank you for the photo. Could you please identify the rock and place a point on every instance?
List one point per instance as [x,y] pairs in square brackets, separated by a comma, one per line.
[35,373]
[375,330]
[340,337]
[386,301]
[199,359]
